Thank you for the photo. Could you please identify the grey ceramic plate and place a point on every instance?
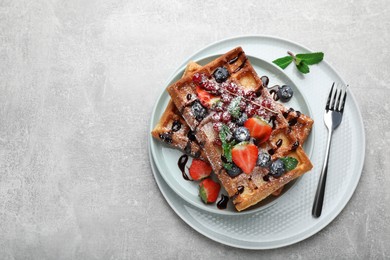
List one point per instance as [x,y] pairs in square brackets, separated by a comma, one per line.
[166,158]
[288,220]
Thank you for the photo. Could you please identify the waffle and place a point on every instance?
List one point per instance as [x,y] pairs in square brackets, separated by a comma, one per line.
[290,129]
[174,131]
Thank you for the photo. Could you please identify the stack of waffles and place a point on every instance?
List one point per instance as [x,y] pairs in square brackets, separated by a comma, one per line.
[209,107]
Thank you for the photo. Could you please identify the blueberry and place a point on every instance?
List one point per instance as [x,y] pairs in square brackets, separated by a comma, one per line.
[241,134]
[241,120]
[221,74]
[198,110]
[233,170]
[285,93]
[264,159]
[277,168]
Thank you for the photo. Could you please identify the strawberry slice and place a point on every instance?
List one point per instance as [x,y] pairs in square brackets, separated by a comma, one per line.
[206,99]
[209,190]
[244,155]
[258,129]
[199,169]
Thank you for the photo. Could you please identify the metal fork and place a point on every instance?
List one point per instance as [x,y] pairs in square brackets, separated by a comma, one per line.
[333,115]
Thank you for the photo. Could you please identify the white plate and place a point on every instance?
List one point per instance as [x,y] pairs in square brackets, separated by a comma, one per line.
[166,158]
[289,220]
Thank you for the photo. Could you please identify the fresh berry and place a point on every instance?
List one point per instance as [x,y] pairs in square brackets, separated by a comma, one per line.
[221,74]
[207,99]
[264,159]
[244,155]
[241,134]
[250,95]
[285,93]
[210,86]
[199,169]
[233,170]
[232,126]
[197,78]
[250,111]
[266,103]
[198,110]
[258,129]
[209,190]
[226,98]
[277,168]
[231,87]
[217,142]
[241,120]
[226,117]
[240,92]
[216,116]
[217,126]
[242,105]
[261,112]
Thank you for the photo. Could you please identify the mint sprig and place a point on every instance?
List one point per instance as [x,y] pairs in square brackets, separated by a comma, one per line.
[302,60]
[234,108]
[224,135]
[290,163]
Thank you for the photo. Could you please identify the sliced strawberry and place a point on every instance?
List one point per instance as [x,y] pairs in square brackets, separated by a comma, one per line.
[209,190]
[206,99]
[258,129]
[199,169]
[244,155]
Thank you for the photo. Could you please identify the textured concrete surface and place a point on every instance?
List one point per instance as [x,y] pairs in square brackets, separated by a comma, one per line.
[78,81]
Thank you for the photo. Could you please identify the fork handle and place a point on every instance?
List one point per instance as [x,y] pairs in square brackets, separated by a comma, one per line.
[319,198]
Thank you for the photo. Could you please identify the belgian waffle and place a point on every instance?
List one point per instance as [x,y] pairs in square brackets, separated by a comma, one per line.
[174,131]
[290,129]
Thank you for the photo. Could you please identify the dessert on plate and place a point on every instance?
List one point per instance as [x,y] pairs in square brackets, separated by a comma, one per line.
[253,143]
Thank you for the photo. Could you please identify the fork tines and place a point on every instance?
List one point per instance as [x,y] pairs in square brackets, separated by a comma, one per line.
[337,97]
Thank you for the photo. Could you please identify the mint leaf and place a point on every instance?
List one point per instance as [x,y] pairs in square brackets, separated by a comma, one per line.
[227,151]
[227,166]
[302,67]
[311,58]
[227,147]
[234,108]
[224,133]
[289,163]
[302,60]
[283,62]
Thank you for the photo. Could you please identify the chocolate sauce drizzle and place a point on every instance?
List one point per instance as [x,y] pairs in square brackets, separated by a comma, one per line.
[176,125]
[240,189]
[222,203]
[191,135]
[285,114]
[241,66]
[295,145]
[166,137]
[182,165]
[293,120]
[265,80]
[272,120]
[235,58]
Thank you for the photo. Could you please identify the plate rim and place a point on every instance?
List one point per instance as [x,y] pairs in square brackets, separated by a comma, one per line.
[353,184]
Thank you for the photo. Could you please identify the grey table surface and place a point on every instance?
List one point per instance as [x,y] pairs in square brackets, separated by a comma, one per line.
[78,81]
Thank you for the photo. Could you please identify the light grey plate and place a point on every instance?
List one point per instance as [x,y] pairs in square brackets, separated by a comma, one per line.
[166,158]
[289,220]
